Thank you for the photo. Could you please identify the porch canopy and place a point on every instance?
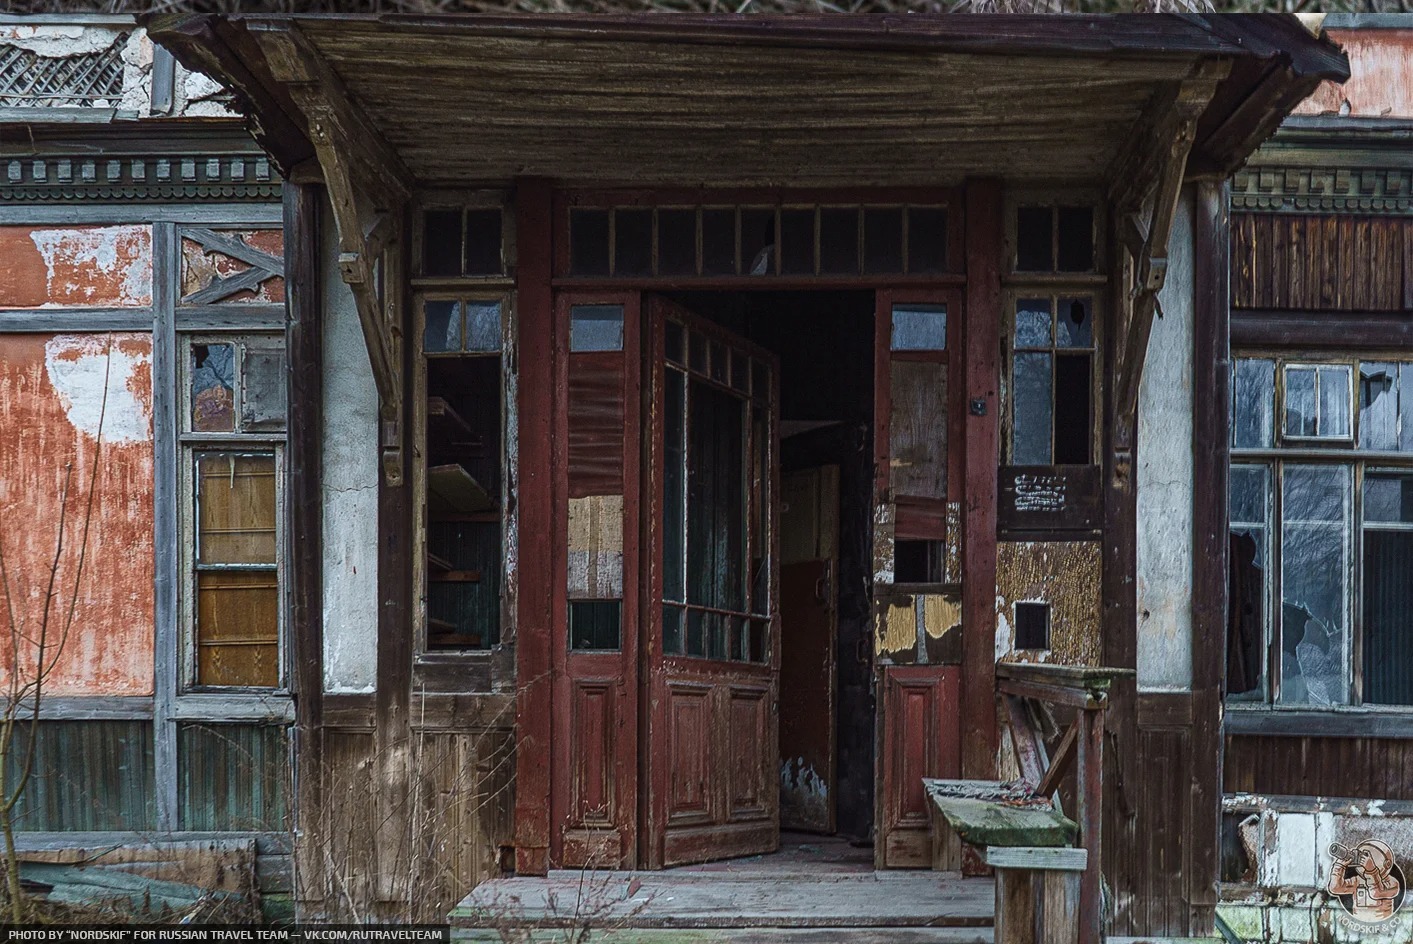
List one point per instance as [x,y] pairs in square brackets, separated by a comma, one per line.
[757,101]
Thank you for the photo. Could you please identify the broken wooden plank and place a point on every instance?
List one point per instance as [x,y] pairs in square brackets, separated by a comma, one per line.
[452,490]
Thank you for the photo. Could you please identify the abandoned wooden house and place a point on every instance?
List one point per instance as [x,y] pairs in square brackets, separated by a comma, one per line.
[654,436]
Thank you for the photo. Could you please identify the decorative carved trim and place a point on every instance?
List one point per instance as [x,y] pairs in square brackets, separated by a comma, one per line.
[1364,190]
[138,179]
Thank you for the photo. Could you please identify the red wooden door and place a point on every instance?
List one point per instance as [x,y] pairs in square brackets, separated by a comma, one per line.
[597,455]
[711,654]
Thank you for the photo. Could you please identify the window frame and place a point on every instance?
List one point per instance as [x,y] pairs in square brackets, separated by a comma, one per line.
[1054,290]
[1343,452]
[191,445]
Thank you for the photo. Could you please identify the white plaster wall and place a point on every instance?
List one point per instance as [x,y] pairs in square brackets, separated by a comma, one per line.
[1164,476]
[350,472]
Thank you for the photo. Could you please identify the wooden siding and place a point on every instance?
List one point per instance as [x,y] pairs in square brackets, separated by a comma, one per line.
[1320,766]
[88,775]
[233,776]
[1321,262]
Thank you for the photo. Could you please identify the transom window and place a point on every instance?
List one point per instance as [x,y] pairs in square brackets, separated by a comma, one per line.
[1321,533]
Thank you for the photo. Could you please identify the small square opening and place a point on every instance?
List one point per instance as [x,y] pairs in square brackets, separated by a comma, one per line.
[1032,626]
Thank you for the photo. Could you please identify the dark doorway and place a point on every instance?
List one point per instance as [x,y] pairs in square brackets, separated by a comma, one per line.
[825,344]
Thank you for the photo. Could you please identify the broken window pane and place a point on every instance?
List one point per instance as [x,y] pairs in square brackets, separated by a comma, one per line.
[235,508]
[262,385]
[919,328]
[1031,419]
[213,388]
[718,242]
[1033,323]
[1035,239]
[883,241]
[1315,579]
[758,241]
[595,328]
[1388,592]
[1075,327]
[927,239]
[1405,395]
[588,242]
[483,326]
[677,242]
[633,242]
[797,242]
[1253,404]
[1247,592]
[1073,418]
[1378,406]
[839,240]
[1076,239]
[483,240]
[441,242]
[443,326]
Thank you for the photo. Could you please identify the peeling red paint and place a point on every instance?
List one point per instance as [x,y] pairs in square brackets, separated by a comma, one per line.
[200,266]
[1380,84]
[48,417]
[76,267]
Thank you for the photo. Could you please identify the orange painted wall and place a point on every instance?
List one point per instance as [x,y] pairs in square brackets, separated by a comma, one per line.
[1381,77]
[54,416]
[75,267]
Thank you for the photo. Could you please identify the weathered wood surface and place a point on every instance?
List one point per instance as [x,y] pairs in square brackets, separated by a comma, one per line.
[982,822]
[679,899]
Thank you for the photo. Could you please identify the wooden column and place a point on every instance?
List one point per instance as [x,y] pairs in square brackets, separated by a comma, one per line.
[984,249]
[535,504]
[304,335]
[1089,788]
[1210,436]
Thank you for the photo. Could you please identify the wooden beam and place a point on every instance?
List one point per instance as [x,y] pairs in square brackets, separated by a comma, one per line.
[1060,763]
[984,252]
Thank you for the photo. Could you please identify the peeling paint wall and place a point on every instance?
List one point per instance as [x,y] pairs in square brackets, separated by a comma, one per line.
[1380,84]
[194,95]
[1164,476]
[1289,843]
[76,267]
[76,409]
[1064,574]
[350,469]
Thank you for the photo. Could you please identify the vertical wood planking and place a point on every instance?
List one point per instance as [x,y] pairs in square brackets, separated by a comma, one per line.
[166,272]
[984,250]
[304,345]
[1210,435]
[536,509]
[1320,262]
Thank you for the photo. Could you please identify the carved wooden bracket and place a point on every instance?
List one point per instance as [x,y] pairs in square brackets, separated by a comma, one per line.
[369,187]
[1146,184]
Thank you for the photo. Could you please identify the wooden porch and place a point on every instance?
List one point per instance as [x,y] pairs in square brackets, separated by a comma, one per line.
[814,889]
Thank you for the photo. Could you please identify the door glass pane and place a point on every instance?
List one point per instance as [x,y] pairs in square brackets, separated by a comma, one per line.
[919,328]
[1315,581]
[715,499]
[672,630]
[595,624]
[760,517]
[1248,591]
[674,495]
[1031,422]
[595,328]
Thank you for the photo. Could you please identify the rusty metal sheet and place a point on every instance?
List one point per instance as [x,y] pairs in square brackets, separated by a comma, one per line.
[52,409]
[76,267]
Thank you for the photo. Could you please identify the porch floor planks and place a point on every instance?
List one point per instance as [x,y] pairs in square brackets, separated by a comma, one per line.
[784,896]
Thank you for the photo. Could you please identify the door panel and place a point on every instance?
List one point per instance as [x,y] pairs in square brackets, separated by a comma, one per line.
[920,739]
[711,646]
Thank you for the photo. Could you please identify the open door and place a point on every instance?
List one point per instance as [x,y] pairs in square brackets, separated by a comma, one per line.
[711,650]
[809,555]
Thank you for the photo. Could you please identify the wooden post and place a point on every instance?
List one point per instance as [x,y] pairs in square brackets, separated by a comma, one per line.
[534,619]
[1090,795]
[984,249]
